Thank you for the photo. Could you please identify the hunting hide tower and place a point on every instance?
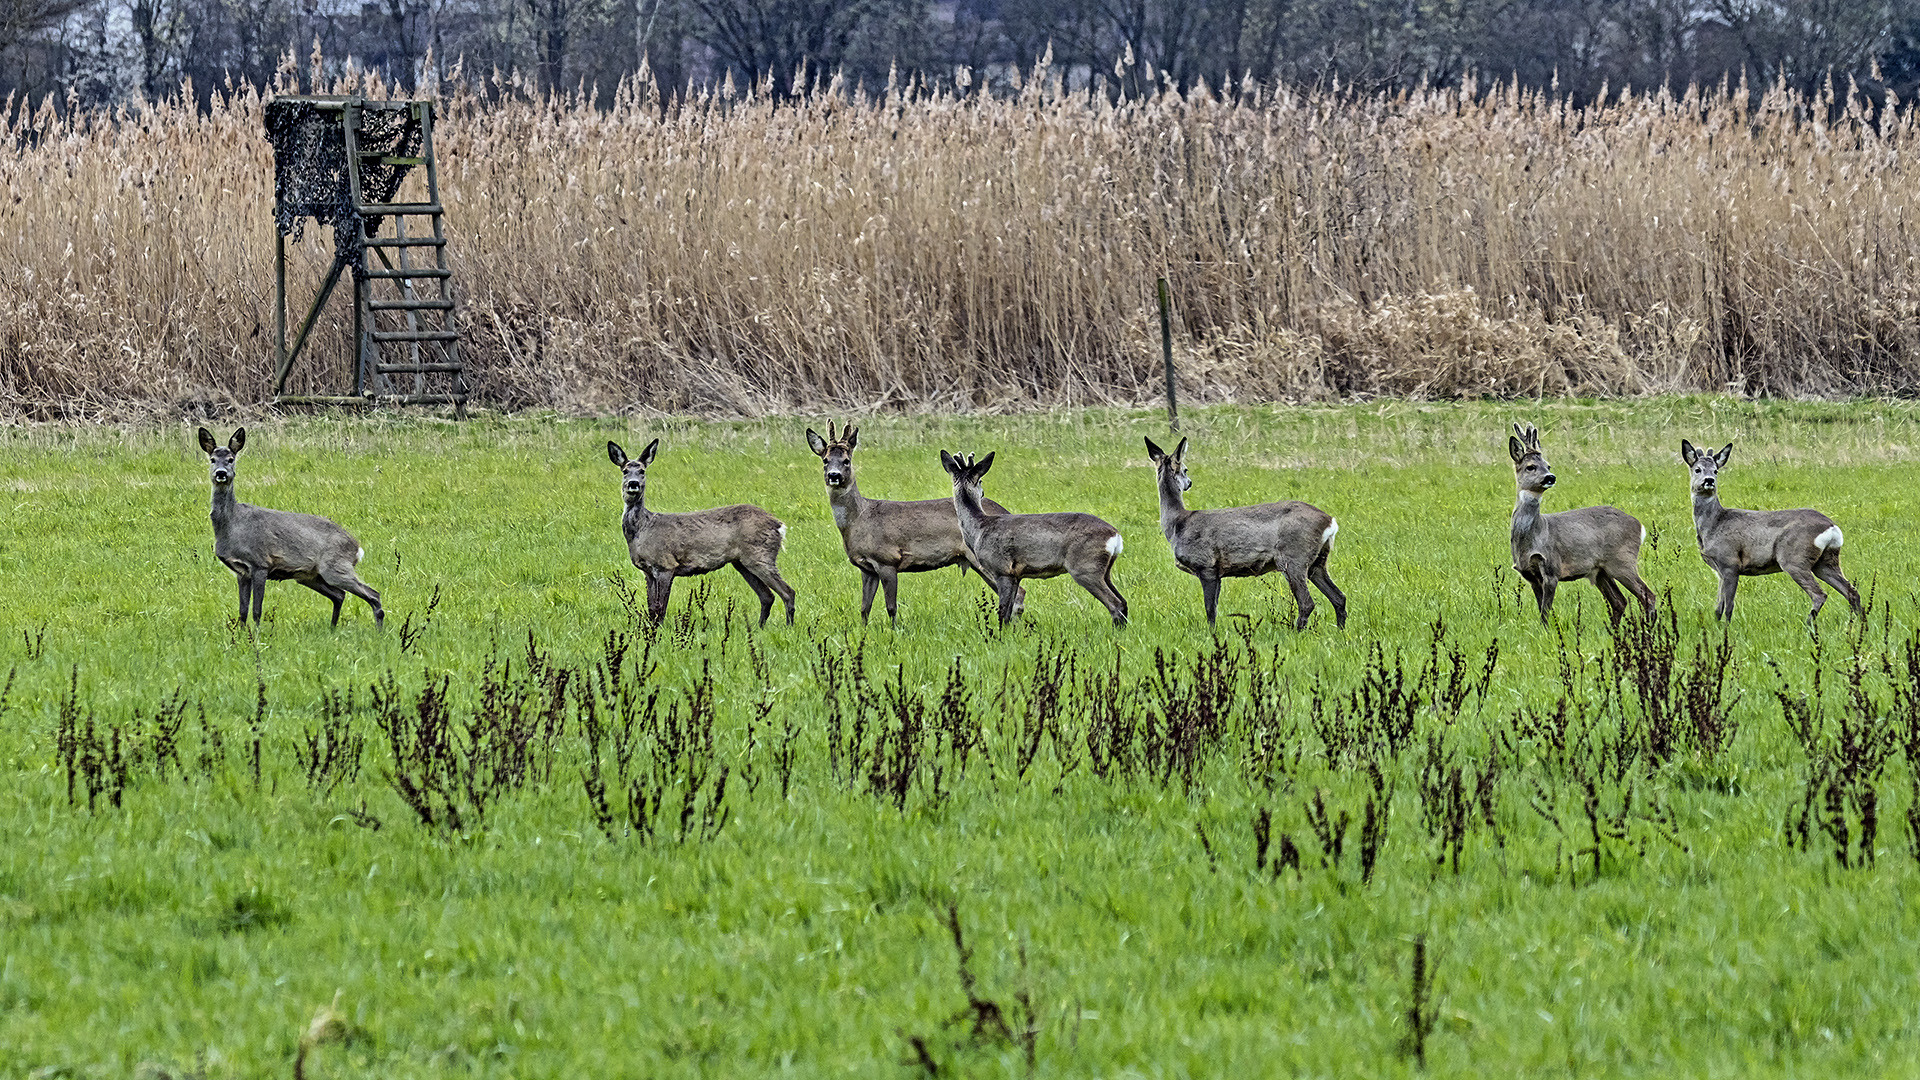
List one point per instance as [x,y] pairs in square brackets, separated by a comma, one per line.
[342,161]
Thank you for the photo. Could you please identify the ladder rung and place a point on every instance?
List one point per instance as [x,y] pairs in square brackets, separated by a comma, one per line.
[413,335]
[396,209]
[410,305]
[379,158]
[421,273]
[405,242]
[419,369]
[422,399]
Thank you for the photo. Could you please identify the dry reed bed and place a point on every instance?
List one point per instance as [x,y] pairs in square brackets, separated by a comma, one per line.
[733,256]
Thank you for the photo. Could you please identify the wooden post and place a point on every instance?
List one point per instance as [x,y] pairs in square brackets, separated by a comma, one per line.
[1166,353]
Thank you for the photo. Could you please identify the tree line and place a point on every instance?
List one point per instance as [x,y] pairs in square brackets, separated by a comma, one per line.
[106,52]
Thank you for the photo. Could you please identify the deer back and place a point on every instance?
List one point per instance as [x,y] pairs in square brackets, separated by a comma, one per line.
[1580,541]
[701,540]
[287,544]
[1765,540]
[1043,545]
[1251,539]
[922,534]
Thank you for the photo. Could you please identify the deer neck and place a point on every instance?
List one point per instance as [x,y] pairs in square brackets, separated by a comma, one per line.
[1173,505]
[1707,513]
[1527,521]
[636,515]
[847,502]
[223,504]
[967,504]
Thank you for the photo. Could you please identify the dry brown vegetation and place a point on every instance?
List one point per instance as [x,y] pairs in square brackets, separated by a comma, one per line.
[733,256]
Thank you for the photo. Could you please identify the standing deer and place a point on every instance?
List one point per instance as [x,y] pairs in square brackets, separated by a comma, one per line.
[1598,543]
[885,539]
[1008,548]
[667,546]
[1246,541]
[261,545]
[1803,544]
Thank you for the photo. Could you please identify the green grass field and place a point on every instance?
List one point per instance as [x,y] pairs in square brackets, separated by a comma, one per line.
[1616,862]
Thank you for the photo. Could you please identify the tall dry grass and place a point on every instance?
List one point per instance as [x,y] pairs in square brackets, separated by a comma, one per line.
[930,253]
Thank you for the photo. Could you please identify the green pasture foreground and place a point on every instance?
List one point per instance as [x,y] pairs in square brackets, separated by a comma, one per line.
[710,850]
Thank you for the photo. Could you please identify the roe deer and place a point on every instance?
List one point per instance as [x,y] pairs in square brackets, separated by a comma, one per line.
[884,538]
[1803,544]
[1598,543]
[1245,541]
[1008,548]
[667,546]
[261,545]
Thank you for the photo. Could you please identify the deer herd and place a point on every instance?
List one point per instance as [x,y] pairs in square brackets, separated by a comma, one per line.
[884,539]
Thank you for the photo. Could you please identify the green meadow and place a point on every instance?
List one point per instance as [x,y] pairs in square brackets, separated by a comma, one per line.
[523,833]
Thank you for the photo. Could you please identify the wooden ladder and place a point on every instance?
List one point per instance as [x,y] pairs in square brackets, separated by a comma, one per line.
[419,296]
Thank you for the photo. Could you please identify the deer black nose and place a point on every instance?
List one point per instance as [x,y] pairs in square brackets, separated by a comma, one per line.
[834,477]
[1550,479]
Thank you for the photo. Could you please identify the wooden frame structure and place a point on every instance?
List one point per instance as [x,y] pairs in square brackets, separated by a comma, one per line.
[403,309]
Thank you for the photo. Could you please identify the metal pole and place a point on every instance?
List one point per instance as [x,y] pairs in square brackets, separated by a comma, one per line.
[1166,353]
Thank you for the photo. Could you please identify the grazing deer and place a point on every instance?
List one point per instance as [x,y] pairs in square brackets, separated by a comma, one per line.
[1598,543]
[885,539]
[667,546]
[1803,544]
[1008,548]
[261,545]
[1246,541]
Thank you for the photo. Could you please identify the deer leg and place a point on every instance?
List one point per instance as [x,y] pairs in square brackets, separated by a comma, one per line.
[246,591]
[349,582]
[869,582]
[1639,589]
[1828,570]
[1803,577]
[759,589]
[890,585]
[1210,594]
[259,590]
[659,587]
[1729,585]
[1324,582]
[1301,597]
[781,588]
[320,586]
[1101,586]
[1005,588]
[1610,592]
[1544,589]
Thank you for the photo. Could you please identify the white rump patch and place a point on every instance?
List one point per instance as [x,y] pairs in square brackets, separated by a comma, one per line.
[783,534]
[1829,539]
[1332,530]
[1643,535]
[1115,545]
[358,555]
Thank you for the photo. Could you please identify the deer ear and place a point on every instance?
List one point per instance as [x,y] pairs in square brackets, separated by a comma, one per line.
[615,454]
[1154,453]
[1687,453]
[1180,452]
[207,445]
[851,436]
[947,463]
[980,469]
[815,443]
[1725,453]
[646,456]
[239,440]
[1514,447]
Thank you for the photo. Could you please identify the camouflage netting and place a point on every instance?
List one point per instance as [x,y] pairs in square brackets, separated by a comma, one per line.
[310,169]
